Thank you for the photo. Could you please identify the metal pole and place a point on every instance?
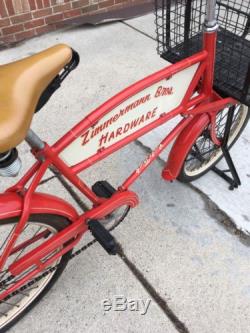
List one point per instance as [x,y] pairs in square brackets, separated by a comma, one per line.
[210,20]
[33,140]
[187,25]
[168,22]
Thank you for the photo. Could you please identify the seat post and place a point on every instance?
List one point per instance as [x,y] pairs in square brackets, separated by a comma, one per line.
[33,140]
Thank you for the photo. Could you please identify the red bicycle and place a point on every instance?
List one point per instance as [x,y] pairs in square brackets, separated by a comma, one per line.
[39,231]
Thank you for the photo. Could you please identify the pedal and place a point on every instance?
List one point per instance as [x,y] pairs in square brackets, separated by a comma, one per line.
[103,236]
[103,189]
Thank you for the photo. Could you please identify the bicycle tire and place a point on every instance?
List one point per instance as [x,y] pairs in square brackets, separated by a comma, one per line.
[57,223]
[186,176]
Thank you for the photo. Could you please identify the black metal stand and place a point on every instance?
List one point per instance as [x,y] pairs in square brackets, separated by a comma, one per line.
[234,180]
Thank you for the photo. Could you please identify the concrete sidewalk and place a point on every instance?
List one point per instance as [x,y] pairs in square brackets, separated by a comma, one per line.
[177,252]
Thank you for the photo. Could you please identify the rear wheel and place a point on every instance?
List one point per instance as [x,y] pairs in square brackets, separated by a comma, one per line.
[204,154]
[39,228]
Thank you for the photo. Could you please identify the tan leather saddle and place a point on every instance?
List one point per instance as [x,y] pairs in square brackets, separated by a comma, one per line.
[21,85]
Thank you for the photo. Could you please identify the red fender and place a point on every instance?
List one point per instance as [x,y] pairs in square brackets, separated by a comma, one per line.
[182,146]
[11,205]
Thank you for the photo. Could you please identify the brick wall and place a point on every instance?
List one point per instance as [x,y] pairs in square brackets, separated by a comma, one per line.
[22,19]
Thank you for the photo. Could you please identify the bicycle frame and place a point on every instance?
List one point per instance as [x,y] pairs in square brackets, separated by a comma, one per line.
[198,105]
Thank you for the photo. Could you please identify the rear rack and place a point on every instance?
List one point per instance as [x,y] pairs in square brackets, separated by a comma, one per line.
[179,25]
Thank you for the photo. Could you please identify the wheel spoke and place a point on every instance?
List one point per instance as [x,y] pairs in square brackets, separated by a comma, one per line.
[4,273]
[3,314]
[198,152]
[20,253]
[10,304]
[5,241]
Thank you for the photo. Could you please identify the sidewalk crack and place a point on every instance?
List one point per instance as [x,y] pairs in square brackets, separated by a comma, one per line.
[161,302]
[136,29]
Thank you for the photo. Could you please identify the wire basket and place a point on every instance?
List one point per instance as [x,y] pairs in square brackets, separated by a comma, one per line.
[179,25]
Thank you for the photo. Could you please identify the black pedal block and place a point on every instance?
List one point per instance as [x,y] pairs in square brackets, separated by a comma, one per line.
[103,189]
[103,236]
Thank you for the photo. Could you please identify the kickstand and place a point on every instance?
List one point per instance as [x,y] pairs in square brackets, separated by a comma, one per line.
[234,181]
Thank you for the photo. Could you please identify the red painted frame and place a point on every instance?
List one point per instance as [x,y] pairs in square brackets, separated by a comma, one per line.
[206,104]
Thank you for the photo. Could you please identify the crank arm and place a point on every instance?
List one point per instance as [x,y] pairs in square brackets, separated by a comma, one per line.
[117,200]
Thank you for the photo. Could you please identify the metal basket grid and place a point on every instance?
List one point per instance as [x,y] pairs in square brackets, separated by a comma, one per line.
[179,26]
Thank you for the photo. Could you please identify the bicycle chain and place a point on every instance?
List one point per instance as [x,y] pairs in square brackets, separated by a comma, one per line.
[43,275]
[51,269]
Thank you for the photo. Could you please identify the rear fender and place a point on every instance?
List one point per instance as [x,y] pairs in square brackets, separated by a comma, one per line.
[182,146]
[11,205]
